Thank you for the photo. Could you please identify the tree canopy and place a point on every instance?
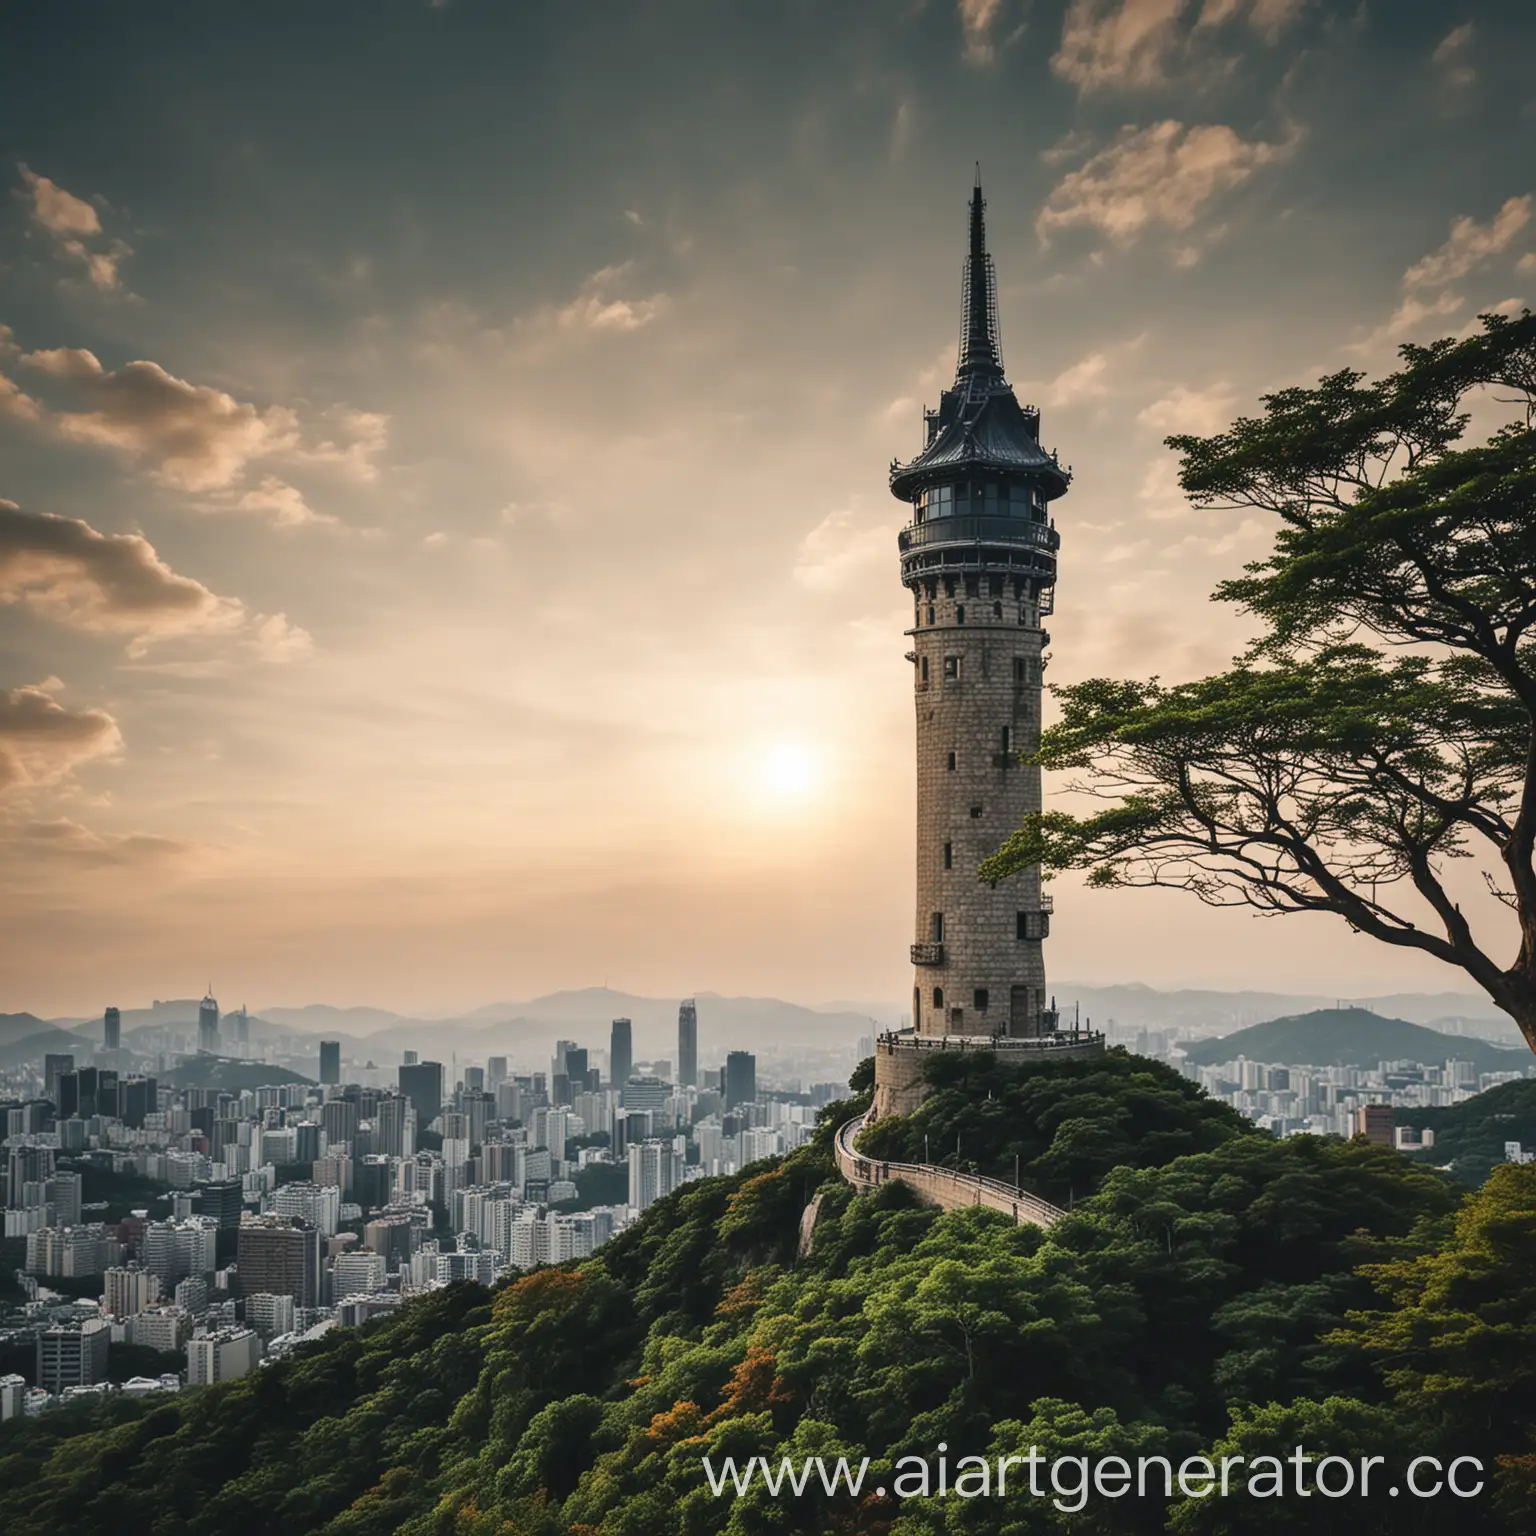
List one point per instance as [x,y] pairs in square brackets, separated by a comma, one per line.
[1383,725]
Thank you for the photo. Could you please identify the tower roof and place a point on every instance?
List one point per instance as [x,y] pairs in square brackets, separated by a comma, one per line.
[979,424]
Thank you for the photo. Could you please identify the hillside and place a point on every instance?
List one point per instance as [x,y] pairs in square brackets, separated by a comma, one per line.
[1351,1037]
[226,1072]
[1470,1136]
[24,1038]
[1174,1312]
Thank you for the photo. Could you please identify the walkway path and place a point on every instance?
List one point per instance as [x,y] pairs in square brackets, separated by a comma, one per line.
[940,1186]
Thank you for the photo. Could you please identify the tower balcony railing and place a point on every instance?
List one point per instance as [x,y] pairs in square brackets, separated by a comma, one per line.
[928,954]
[965,530]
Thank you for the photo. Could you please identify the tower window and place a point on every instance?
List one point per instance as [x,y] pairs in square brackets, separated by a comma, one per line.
[1021,925]
[979,999]
[938,997]
[949,586]
[930,613]
[972,588]
[923,667]
[1021,669]
[932,589]
[1007,738]
[975,813]
[957,1015]
[951,669]
[960,614]
[950,764]
[994,586]
[936,928]
[949,855]
[997,610]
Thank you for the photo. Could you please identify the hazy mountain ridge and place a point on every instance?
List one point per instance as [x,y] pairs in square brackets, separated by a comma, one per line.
[1351,1037]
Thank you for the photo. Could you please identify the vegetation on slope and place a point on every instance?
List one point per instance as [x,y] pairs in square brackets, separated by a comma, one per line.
[1062,1126]
[1470,1136]
[1248,1291]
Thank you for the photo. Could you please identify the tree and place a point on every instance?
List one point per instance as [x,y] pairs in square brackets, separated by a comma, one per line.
[1384,723]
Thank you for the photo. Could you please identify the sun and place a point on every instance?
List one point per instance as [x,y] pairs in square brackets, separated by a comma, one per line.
[790,770]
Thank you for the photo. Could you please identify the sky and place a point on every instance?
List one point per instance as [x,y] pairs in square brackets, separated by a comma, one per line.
[445,550]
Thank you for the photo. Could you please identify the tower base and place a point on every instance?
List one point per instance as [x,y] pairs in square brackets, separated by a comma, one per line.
[899,1082]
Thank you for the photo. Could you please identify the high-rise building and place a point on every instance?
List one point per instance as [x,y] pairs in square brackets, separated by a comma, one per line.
[269,1315]
[279,1256]
[73,1355]
[740,1078]
[979,558]
[1375,1123]
[112,1030]
[227,1354]
[495,1073]
[330,1061]
[136,1098]
[422,1084]
[208,1026]
[55,1065]
[621,1052]
[172,1250]
[655,1169]
[338,1117]
[358,1274]
[394,1127]
[688,1044]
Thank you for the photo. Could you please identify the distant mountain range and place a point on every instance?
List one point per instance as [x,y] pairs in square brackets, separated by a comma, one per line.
[24,1037]
[530,1028]
[1218,1013]
[1351,1037]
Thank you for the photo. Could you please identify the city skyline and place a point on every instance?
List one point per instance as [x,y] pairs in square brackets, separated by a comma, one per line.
[432,570]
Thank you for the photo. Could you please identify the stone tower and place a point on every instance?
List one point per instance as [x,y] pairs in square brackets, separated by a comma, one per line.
[979,558]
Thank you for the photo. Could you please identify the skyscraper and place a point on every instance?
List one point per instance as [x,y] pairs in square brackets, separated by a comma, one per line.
[621,1052]
[687,1044]
[112,1030]
[55,1065]
[740,1078]
[422,1084]
[979,558]
[281,1257]
[208,1026]
[330,1061]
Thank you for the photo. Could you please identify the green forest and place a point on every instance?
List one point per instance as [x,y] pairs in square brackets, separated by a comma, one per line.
[1212,1290]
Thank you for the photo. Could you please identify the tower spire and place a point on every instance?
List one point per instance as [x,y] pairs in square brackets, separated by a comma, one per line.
[981,349]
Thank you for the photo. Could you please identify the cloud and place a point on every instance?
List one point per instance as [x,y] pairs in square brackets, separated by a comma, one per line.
[279,642]
[67,842]
[284,503]
[1084,380]
[363,436]
[1469,246]
[111,583]
[115,583]
[596,309]
[1450,57]
[42,741]
[840,549]
[1200,411]
[1162,175]
[195,437]
[74,226]
[1133,44]
[976,18]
